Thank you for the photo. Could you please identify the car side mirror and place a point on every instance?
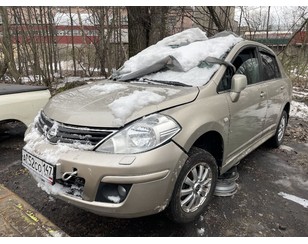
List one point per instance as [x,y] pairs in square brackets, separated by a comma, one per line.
[238,84]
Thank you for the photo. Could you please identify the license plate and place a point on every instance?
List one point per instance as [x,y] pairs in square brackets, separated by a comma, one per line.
[42,169]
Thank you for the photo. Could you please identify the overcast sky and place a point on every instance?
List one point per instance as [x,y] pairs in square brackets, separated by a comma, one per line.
[282,17]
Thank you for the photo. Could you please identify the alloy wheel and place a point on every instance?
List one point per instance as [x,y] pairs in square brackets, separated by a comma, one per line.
[195,187]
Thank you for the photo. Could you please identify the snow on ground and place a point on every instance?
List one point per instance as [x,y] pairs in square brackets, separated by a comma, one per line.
[299,92]
[296,72]
[184,48]
[201,231]
[299,109]
[296,199]
[30,78]
[286,148]
[125,106]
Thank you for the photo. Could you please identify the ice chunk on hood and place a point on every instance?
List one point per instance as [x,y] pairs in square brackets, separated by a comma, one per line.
[123,107]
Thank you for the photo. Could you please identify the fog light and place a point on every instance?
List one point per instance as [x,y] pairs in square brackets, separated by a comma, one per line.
[112,193]
[122,191]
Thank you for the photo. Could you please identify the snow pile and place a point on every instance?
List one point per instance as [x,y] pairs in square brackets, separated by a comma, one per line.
[34,139]
[299,110]
[194,77]
[58,189]
[162,49]
[108,88]
[201,231]
[188,48]
[114,199]
[125,106]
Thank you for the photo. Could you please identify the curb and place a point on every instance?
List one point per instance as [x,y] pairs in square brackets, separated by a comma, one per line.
[19,219]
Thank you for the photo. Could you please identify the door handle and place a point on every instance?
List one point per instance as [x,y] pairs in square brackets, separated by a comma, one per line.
[282,87]
[262,94]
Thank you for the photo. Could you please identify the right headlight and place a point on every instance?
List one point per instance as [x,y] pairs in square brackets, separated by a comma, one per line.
[142,135]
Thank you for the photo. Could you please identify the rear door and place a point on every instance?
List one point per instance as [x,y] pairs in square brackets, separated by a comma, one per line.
[276,89]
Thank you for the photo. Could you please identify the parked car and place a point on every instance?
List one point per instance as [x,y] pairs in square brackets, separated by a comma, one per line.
[21,102]
[156,135]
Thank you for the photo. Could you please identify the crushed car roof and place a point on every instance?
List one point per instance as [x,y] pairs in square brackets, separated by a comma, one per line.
[180,57]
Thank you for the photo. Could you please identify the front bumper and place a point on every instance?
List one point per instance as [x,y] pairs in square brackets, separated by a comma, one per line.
[151,175]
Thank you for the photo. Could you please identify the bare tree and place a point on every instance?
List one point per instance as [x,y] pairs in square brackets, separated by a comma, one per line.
[72,39]
[212,19]
[7,47]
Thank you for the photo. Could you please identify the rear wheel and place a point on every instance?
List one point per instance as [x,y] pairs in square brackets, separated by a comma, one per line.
[277,139]
[194,187]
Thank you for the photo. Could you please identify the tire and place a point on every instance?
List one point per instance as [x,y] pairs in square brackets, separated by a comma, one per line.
[194,187]
[277,139]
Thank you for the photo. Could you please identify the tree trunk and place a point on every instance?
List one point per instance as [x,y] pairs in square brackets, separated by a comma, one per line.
[215,18]
[138,29]
[158,16]
[267,24]
[73,44]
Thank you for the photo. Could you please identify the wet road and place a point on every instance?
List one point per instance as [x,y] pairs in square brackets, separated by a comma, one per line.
[257,209]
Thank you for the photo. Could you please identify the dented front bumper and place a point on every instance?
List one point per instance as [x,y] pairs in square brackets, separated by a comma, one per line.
[144,182]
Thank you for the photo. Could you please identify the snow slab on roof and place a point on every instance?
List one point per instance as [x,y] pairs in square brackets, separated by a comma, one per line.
[187,49]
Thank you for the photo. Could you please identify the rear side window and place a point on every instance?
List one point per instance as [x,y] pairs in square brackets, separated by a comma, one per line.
[270,67]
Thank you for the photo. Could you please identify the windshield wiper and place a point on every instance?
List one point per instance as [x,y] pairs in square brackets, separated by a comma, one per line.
[172,83]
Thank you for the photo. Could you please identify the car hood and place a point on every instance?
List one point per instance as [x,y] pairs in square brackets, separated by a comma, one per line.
[113,104]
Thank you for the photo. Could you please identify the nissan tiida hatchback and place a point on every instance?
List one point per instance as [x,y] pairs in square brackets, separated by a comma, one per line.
[156,135]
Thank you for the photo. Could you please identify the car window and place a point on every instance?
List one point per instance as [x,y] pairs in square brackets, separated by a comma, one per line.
[270,67]
[250,68]
[245,63]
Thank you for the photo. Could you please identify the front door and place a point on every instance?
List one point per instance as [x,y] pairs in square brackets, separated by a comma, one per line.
[247,115]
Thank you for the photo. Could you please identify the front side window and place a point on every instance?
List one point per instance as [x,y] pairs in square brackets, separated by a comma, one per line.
[250,68]
[246,63]
[270,67]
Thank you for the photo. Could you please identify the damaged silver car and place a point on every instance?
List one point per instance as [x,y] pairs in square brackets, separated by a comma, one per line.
[159,132]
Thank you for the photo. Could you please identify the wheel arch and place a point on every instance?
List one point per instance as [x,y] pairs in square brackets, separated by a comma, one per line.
[287,108]
[4,121]
[212,142]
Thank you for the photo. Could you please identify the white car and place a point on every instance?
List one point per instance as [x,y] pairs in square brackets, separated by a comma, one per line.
[21,102]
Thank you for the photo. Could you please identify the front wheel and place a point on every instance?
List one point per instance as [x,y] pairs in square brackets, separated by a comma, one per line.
[194,187]
[277,139]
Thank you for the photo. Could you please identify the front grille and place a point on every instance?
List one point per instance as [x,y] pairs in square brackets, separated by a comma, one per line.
[58,132]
